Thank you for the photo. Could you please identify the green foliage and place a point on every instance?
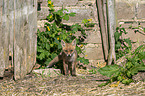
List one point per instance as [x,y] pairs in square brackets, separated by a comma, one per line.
[122,46]
[87,23]
[49,42]
[109,70]
[133,64]
[93,71]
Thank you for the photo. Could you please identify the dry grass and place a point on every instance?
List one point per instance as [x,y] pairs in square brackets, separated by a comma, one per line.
[85,84]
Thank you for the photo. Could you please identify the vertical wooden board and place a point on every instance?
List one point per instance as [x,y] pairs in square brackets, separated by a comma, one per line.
[1,45]
[24,37]
[7,33]
[11,27]
[32,44]
[24,30]
[18,40]
[4,37]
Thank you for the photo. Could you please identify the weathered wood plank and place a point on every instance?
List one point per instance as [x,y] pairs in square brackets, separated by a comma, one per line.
[7,7]
[11,28]
[19,40]
[17,37]
[24,37]
[4,57]
[1,47]
[32,24]
[18,27]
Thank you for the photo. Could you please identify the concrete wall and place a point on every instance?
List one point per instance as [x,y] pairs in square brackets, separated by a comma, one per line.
[128,11]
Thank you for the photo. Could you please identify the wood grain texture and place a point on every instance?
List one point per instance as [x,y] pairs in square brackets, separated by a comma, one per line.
[18,27]
[25,37]
[4,24]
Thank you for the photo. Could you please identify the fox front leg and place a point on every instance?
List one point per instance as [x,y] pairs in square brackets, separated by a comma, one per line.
[65,68]
[73,69]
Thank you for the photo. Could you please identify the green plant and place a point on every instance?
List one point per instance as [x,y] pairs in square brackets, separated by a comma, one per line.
[138,29]
[133,60]
[87,23]
[42,74]
[48,42]
[122,46]
[93,71]
[124,73]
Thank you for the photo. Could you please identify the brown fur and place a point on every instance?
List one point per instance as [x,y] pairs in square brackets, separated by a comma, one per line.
[69,56]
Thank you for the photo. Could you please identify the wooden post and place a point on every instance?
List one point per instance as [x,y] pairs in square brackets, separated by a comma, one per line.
[104,35]
[112,29]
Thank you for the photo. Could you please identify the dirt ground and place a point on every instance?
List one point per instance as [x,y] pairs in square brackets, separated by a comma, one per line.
[84,84]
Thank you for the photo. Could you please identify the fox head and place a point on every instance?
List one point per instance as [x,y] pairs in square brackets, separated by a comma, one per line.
[68,48]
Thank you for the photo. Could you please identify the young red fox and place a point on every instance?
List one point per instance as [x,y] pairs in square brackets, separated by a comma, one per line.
[69,56]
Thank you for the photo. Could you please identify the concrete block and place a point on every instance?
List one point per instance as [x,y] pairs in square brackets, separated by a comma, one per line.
[125,10]
[51,72]
[141,11]
[128,24]
[43,13]
[81,13]
[40,25]
[60,3]
[142,24]
[93,37]
[93,52]
[44,3]
[64,2]
[135,37]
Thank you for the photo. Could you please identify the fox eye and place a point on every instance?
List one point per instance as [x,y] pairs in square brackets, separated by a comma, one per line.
[71,50]
[66,51]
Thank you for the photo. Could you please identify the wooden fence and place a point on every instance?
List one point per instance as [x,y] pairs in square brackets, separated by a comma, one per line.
[18,27]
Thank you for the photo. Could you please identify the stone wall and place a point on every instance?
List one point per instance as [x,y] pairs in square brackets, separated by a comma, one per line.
[129,12]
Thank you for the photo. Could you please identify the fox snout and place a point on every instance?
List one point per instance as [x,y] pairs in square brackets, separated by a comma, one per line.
[68,54]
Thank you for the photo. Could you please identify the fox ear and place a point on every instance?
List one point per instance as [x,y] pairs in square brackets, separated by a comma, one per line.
[62,43]
[74,42]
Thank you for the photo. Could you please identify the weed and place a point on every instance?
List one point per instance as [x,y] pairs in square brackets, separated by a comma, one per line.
[48,42]
[133,64]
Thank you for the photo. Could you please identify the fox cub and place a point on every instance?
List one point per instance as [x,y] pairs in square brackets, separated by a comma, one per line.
[69,56]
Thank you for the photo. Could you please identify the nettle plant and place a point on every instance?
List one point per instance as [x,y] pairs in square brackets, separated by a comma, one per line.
[49,42]
[134,60]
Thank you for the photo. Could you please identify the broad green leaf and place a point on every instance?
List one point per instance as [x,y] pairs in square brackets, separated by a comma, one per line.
[116,35]
[41,56]
[47,61]
[90,25]
[109,70]
[47,46]
[144,30]
[66,10]
[59,46]
[72,14]
[135,70]
[127,81]
[66,17]
[137,49]
[51,45]
[56,41]
[84,21]
[60,12]
[53,55]
[129,74]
